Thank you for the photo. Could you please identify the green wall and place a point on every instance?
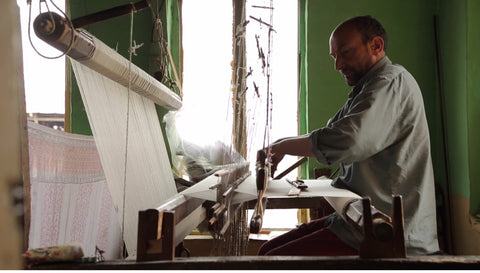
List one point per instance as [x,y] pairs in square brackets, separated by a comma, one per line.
[325,88]
[460,60]
[453,60]
[473,101]
[459,31]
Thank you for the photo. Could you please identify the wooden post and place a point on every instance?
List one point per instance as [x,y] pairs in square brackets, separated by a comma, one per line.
[384,243]
[155,239]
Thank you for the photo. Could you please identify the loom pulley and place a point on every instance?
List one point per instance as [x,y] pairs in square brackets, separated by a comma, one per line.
[57,31]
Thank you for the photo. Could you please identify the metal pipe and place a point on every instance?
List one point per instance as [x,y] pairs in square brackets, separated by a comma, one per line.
[57,32]
[109,13]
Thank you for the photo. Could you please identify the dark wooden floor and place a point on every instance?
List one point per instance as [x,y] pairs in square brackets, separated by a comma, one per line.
[279,263]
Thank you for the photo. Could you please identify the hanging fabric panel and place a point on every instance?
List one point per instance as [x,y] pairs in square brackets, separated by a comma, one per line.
[69,194]
[135,162]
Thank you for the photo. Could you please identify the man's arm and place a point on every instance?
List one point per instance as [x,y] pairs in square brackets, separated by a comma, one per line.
[297,145]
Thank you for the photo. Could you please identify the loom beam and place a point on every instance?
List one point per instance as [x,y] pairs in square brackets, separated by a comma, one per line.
[93,53]
[109,13]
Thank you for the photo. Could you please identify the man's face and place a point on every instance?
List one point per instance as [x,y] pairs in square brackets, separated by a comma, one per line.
[352,57]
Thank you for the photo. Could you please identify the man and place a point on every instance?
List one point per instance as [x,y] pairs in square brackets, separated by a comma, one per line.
[379,138]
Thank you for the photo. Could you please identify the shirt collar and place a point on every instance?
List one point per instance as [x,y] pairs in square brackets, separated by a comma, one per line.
[382,62]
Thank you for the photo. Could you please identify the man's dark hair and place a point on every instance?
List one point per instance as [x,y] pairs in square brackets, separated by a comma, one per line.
[369,27]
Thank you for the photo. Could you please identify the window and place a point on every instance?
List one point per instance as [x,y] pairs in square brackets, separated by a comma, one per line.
[44,78]
[207,43]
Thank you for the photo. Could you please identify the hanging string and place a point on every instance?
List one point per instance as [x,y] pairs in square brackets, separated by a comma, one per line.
[131,51]
[261,97]
[269,92]
[165,54]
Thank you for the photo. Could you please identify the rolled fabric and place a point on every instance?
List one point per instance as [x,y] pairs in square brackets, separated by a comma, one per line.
[93,53]
[62,253]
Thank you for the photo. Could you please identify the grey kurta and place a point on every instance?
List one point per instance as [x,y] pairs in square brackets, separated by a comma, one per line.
[380,138]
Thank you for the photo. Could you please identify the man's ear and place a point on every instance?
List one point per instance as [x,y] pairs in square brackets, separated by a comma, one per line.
[376,44]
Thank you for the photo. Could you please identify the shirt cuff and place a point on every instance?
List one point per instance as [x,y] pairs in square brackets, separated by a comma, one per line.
[319,155]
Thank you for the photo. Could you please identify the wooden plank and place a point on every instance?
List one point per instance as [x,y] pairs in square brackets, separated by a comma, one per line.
[182,206]
[289,202]
[281,263]
[168,231]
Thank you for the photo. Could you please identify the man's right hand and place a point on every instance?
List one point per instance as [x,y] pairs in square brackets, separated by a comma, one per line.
[275,158]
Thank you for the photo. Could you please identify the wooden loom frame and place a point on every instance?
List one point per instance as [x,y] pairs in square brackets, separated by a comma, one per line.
[157,227]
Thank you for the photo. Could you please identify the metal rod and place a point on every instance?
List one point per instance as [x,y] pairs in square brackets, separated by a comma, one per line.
[291,168]
[109,13]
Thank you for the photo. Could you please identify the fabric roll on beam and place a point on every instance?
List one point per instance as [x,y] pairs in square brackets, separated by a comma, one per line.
[93,53]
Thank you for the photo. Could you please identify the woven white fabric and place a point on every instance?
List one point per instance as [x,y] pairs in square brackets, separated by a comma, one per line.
[70,200]
[138,173]
[112,65]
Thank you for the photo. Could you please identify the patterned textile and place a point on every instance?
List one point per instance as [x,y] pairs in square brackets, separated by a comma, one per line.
[64,253]
[70,198]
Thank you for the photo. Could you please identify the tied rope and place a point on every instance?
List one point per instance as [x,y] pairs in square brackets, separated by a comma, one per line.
[164,51]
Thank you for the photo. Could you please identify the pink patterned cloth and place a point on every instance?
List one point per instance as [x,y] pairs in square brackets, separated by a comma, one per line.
[63,253]
[70,199]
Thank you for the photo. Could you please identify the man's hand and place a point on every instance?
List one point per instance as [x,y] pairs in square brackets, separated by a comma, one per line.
[276,157]
[299,146]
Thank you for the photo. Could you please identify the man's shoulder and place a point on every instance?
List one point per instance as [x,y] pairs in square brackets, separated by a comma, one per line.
[390,70]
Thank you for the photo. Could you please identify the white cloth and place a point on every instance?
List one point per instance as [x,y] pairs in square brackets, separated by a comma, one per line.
[70,200]
[380,138]
[136,163]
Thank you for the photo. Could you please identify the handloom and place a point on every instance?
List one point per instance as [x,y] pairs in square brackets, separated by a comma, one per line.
[130,143]
[125,126]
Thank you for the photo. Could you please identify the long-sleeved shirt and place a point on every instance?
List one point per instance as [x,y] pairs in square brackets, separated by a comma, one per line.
[381,141]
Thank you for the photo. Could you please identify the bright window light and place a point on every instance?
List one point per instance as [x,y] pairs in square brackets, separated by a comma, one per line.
[44,79]
[207,44]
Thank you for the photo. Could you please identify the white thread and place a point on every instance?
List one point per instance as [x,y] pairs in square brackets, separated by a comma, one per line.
[103,83]
[127,122]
